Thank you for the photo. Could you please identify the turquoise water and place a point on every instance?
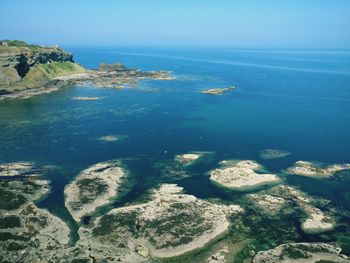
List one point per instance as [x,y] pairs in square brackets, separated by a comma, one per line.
[298,101]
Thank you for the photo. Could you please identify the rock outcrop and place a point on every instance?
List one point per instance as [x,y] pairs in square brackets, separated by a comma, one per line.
[93,187]
[301,253]
[311,169]
[170,224]
[27,232]
[241,175]
[272,201]
[19,61]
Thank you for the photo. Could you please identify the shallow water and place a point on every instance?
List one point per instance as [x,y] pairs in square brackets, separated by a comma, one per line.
[297,101]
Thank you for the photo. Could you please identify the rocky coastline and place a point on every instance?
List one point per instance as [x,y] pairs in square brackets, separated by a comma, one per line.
[28,70]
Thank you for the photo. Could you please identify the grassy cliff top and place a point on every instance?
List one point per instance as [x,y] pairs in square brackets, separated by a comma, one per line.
[17,46]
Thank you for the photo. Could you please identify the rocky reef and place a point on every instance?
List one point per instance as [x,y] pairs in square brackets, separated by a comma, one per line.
[170,224]
[190,158]
[311,169]
[272,201]
[241,175]
[165,225]
[218,91]
[301,253]
[94,187]
[19,169]
[28,233]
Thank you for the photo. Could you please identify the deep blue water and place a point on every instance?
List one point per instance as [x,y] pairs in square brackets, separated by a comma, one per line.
[298,101]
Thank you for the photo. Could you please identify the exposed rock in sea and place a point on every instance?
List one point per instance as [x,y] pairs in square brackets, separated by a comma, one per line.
[241,175]
[317,221]
[86,98]
[273,200]
[170,224]
[273,154]
[301,253]
[218,91]
[28,233]
[268,203]
[219,256]
[94,187]
[311,169]
[19,169]
[189,158]
[27,70]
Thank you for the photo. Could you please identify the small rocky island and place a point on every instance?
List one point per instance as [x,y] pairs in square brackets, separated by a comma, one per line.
[310,169]
[27,70]
[241,175]
[218,91]
[94,187]
[301,252]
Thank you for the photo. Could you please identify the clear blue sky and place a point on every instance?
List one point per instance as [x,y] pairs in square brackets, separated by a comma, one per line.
[230,23]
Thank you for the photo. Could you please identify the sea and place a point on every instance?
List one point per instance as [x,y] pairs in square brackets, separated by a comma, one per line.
[291,100]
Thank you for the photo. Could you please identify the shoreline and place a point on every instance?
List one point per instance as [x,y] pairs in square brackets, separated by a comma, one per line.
[96,77]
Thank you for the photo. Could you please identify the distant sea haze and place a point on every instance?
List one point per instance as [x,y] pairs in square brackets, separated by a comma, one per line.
[237,63]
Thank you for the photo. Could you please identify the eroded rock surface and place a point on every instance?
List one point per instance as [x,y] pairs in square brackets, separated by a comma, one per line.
[241,175]
[94,187]
[268,203]
[170,224]
[283,196]
[28,233]
[301,253]
[19,169]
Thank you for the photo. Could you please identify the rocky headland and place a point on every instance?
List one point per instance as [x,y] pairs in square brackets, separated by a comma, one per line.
[27,70]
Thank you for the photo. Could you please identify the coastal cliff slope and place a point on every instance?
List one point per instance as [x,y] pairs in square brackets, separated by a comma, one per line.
[25,66]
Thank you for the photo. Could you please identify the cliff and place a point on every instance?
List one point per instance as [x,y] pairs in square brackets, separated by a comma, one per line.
[24,66]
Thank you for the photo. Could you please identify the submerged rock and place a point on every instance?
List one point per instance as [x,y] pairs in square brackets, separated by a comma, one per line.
[94,187]
[311,169]
[170,224]
[273,154]
[241,175]
[301,253]
[113,138]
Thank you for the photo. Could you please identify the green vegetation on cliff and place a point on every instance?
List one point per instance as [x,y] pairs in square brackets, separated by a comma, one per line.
[42,73]
[26,66]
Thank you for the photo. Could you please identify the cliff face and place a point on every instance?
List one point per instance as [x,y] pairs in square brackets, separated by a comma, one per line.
[18,59]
